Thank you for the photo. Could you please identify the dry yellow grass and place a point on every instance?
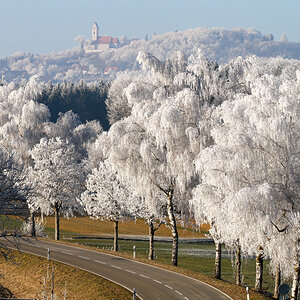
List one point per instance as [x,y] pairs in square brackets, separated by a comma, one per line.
[24,279]
[88,226]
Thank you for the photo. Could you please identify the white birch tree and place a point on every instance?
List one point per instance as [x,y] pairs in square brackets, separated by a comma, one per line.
[107,198]
[58,178]
[251,173]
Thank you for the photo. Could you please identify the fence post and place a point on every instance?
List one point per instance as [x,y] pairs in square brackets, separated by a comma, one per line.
[52,285]
[248,295]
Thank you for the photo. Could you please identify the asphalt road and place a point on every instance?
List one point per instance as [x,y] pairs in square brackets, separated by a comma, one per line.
[151,283]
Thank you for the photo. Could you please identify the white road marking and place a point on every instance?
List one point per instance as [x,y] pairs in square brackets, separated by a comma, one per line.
[168,287]
[81,256]
[157,281]
[116,267]
[100,262]
[131,272]
[178,292]
[144,276]
[186,298]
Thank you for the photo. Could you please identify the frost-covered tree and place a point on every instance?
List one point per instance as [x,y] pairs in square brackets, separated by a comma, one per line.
[171,102]
[252,171]
[22,119]
[13,194]
[107,198]
[58,178]
[116,102]
[154,214]
[69,127]
[13,187]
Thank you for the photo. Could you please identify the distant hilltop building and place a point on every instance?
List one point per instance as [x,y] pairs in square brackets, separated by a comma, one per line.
[101,43]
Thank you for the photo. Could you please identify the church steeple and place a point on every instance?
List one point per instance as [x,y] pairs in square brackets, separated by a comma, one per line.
[95,32]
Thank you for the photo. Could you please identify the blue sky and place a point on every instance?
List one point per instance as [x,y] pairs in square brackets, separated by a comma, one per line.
[44,26]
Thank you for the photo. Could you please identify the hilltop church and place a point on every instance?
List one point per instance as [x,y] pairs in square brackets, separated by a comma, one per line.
[101,43]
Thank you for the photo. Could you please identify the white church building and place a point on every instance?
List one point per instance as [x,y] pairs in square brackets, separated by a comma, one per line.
[101,43]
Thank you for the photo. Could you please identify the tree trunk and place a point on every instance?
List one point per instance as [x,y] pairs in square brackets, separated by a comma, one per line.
[32,223]
[277,282]
[295,284]
[173,227]
[238,265]
[218,260]
[116,232]
[151,240]
[259,269]
[56,210]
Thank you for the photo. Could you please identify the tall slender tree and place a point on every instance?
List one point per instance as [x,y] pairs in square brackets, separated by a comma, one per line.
[107,198]
[58,178]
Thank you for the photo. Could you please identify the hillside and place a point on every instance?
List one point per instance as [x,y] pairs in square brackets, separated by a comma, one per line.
[218,44]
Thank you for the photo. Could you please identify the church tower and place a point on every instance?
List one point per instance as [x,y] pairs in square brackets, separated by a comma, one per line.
[95,32]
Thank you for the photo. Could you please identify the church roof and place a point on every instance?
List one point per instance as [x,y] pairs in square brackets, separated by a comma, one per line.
[95,23]
[104,40]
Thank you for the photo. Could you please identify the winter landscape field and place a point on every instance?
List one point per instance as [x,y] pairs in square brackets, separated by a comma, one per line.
[163,166]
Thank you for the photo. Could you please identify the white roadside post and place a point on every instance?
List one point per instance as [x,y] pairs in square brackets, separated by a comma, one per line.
[133,251]
[48,254]
[134,293]
[52,285]
[248,295]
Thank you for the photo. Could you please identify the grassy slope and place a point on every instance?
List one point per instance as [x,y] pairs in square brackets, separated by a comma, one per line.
[24,278]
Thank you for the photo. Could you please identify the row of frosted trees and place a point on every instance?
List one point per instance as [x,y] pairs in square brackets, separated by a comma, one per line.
[189,139]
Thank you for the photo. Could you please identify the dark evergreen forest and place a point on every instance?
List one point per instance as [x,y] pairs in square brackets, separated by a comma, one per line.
[87,101]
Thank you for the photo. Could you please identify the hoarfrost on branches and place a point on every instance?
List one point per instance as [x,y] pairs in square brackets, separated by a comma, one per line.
[57,176]
[107,198]
[252,170]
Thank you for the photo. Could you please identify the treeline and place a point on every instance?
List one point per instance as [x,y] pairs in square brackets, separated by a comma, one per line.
[87,101]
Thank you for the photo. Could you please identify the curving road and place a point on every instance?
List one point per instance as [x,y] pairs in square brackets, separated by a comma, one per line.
[151,283]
